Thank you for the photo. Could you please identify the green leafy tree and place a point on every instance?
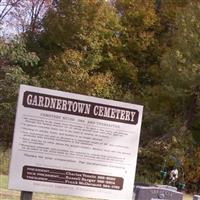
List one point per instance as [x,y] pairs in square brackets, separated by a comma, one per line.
[182,61]
[86,25]
[91,30]
[172,107]
[67,72]
[180,87]
[64,72]
[14,58]
[139,37]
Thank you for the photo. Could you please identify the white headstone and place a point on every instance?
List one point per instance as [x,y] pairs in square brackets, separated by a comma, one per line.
[196,197]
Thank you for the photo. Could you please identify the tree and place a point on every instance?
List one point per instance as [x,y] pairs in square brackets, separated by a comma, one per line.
[181,86]
[64,72]
[27,14]
[182,61]
[87,26]
[14,58]
[91,29]
[6,6]
[172,107]
[140,43]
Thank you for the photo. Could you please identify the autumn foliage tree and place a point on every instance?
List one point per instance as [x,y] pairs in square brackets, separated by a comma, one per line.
[89,29]
[144,52]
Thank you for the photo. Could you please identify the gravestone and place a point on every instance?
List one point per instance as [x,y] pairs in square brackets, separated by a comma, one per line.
[156,193]
[167,187]
[196,197]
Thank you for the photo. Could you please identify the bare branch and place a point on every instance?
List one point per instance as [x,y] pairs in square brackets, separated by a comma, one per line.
[28,14]
[7,6]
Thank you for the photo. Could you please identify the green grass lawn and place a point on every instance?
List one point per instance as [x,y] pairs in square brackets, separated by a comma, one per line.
[3,181]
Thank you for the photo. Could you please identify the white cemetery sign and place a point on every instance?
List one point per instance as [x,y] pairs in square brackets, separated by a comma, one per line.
[73,144]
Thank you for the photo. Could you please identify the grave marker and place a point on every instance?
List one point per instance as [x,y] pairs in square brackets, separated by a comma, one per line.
[154,193]
[196,197]
[168,187]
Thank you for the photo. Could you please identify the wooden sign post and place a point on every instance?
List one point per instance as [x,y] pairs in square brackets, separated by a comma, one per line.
[26,195]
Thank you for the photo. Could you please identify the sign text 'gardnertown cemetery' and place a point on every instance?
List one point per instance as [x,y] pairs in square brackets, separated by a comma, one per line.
[71,144]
